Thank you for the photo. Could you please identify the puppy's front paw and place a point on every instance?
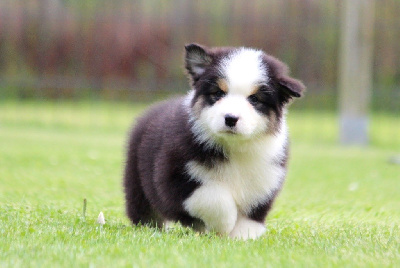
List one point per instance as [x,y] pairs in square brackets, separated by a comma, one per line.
[247,229]
[215,206]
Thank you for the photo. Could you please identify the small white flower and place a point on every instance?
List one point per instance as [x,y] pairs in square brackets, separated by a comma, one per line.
[353,186]
[100,219]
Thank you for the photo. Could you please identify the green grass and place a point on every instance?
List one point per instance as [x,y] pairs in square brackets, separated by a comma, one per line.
[339,207]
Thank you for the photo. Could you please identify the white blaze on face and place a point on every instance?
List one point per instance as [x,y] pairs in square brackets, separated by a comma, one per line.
[242,71]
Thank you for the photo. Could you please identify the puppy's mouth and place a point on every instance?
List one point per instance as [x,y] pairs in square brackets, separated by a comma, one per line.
[230,131]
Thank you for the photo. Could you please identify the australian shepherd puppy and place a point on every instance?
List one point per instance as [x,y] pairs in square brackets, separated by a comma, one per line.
[216,158]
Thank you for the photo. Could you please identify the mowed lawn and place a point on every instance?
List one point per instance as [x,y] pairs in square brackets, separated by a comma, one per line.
[339,207]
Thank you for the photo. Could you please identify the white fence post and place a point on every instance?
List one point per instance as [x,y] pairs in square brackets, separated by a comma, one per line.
[355,70]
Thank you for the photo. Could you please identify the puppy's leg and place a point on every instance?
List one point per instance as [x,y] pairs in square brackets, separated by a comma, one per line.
[215,206]
[137,206]
[247,228]
[252,226]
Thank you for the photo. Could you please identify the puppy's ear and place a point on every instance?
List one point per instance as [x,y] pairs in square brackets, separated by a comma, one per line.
[291,86]
[197,59]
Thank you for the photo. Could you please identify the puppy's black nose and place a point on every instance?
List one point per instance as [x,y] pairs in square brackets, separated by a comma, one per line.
[231,120]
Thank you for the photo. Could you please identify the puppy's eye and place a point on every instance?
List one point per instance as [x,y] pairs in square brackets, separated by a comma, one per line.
[219,93]
[253,99]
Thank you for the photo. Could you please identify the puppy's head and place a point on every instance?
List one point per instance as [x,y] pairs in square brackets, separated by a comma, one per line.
[238,93]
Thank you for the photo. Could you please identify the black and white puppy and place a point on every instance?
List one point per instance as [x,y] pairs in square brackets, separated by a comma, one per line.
[216,158]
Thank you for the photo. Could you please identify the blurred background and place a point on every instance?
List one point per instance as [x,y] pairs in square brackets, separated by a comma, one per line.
[133,49]
[75,74]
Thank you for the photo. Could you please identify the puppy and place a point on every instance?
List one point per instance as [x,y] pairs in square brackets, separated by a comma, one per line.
[215,159]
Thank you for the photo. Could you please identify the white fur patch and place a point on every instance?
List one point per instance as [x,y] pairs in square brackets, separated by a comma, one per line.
[246,180]
[188,100]
[235,187]
[250,174]
[214,205]
[200,128]
[246,228]
[243,69]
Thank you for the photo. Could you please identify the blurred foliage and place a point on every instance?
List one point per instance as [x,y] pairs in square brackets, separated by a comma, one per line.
[64,48]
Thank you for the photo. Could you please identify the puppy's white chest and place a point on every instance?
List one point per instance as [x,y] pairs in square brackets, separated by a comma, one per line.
[249,177]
